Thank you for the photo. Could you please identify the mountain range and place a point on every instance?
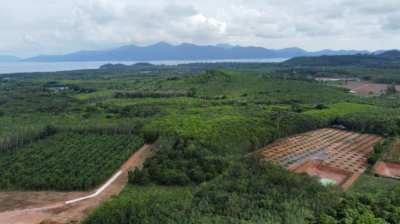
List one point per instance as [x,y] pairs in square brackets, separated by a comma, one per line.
[185,51]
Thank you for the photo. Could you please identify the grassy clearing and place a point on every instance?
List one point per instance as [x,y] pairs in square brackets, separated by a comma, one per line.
[339,110]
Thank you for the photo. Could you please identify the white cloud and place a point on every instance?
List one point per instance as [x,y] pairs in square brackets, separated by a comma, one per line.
[46,26]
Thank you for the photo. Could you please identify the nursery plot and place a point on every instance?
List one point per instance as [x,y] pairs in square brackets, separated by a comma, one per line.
[336,156]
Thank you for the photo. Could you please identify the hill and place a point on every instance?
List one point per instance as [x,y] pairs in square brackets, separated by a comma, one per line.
[385,59]
[392,54]
[185,51]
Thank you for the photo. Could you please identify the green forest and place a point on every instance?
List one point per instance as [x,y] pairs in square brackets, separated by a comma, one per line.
[70,131]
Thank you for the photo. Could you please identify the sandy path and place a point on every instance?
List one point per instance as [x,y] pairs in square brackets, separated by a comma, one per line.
[15,200]
[58,211]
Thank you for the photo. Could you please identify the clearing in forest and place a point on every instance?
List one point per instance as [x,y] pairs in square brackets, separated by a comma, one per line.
[368,88]
[389,165]
[335,156]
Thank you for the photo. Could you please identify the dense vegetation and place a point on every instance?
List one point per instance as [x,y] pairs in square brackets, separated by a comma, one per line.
[66,161]
[72,130]
[380,149]
[256,192]
[248,192]
[389,59]
[370,200]
[180,163]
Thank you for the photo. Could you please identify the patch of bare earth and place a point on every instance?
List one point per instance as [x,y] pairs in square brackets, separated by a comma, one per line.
[367,88]
[326,153]
[389,164]
[384,169]
[315,168]
[22,200]
[50,207]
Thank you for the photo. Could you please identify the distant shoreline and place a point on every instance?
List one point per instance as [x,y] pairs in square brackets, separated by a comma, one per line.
[27,67]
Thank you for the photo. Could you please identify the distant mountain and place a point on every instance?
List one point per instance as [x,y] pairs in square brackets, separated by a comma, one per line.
[8,58]
[376,59]
[185,51]
[328,52]
[393,54]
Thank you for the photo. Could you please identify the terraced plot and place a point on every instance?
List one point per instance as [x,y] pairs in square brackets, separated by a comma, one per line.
[333,155]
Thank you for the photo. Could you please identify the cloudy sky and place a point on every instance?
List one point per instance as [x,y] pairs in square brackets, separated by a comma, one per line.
[30,27]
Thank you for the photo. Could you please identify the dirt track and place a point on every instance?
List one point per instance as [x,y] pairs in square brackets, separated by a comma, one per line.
[51,207]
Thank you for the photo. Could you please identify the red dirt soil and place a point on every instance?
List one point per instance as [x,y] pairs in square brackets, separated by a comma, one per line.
[365,88]
[391,170]
[315,168]
[37,208]
[327,153]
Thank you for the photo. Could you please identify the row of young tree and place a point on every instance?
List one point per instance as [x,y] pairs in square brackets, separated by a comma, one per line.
[25,136]
[66,161]
[381,121]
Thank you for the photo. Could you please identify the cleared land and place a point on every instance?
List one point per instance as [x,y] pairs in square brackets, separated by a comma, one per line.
[331,154]
[384,169]
[49,210]
[367,88]
[389,165]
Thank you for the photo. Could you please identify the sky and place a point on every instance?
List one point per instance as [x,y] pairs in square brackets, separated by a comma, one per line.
[30,27]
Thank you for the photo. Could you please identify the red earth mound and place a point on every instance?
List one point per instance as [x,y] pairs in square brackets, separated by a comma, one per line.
[315,168]
[391,170]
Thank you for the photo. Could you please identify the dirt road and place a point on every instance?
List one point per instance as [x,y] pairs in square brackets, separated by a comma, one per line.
[34,207]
